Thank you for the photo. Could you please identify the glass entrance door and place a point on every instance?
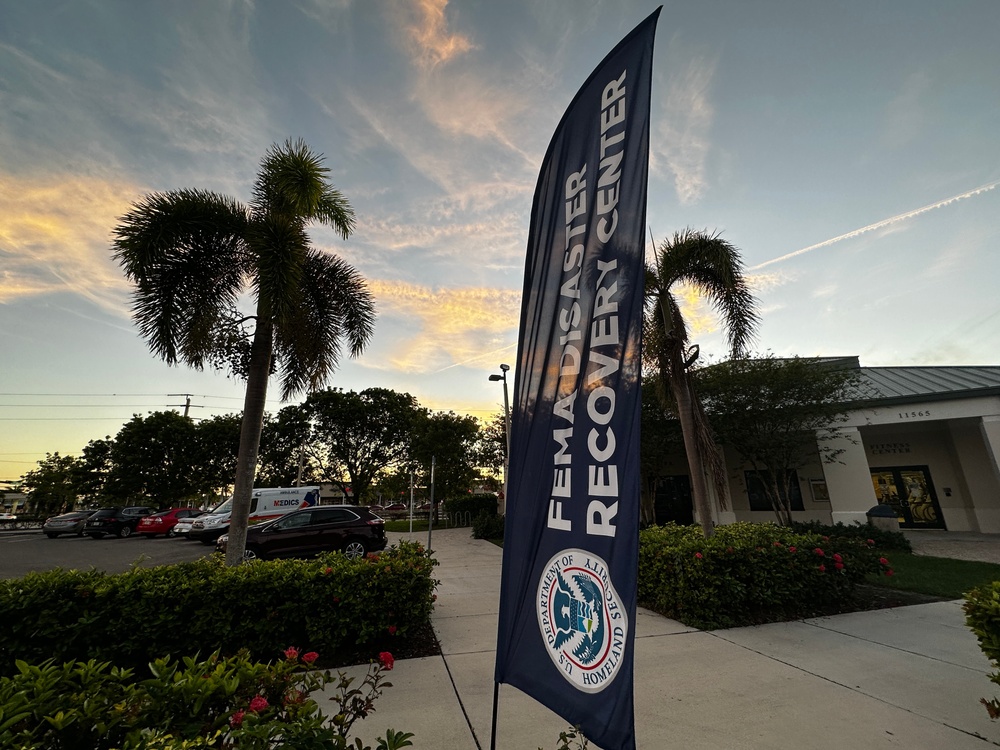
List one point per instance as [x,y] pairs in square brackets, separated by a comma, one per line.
[909,491]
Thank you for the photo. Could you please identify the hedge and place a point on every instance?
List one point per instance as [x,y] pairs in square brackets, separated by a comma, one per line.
[884,540]
[474,505]
[330,604]
[982,615]
[749,573]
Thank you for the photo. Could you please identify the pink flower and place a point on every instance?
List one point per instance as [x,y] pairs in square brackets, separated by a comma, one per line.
[259,703]
[819,552]
[310,657]
[889,572]
[870,542]
[236,719]
[837,557]
[392,630]
[791,549]
[883,561]
[839,566]
[386,660]
[291,653]
[822,568]
[698,555]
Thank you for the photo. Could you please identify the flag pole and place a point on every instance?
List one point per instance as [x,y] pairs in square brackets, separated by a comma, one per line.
[493,728]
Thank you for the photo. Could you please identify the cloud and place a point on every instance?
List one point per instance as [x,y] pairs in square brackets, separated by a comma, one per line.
[682,145]
[55,237]
[427,31]
[449,325]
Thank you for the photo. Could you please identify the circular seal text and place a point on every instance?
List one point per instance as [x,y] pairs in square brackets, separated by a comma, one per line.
[582,620]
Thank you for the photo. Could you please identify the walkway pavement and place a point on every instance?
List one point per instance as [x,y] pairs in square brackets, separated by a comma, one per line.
[909,677]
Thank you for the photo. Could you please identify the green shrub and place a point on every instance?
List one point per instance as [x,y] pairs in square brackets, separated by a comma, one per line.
[331,604]
[884,540]
[223,702]
[474,505]
[982,615]
[748,573]
[486,526]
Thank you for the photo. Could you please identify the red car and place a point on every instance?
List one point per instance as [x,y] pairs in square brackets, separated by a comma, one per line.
[164,521]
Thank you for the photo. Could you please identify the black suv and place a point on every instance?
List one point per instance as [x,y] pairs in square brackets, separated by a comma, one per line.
[118,521]
[354,530]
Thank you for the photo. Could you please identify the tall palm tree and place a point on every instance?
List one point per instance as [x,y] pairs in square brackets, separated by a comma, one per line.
[192,253]
[714,268]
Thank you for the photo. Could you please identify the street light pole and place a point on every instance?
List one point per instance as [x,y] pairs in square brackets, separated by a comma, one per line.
[506,421]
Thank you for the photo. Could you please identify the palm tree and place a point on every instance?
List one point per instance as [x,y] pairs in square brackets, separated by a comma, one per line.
[714,268]
[192,253]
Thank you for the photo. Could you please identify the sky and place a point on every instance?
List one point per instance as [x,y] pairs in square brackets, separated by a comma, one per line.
[849,149]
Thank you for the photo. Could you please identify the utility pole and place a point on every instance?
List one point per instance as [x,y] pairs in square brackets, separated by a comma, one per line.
[186,404]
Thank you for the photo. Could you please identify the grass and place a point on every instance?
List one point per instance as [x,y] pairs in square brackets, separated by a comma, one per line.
[937,576]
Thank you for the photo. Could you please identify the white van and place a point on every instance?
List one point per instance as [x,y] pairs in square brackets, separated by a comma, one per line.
[265,504]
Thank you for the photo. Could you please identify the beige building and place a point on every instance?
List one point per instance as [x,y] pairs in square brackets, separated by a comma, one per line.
[924,441]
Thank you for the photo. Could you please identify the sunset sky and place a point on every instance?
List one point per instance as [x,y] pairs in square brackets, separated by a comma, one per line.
[849,149]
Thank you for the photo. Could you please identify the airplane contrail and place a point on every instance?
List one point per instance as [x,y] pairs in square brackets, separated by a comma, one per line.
[477,358]
[880,224]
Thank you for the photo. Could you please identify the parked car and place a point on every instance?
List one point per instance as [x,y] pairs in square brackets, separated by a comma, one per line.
[118,521]
[351,529]
[165,521]
[66,523]
[395,507]
[266,503]
[183,526]
[7,517]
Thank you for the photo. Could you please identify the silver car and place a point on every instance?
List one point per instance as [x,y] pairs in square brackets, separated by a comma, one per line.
[67,523]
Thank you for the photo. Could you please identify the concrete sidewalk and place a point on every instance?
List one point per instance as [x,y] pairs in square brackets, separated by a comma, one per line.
[909,677]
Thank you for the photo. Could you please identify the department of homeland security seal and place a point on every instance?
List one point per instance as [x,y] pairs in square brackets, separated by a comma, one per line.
[582,620]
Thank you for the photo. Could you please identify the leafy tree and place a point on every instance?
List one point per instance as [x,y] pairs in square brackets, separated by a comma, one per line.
[775,413]
[53,486]
[713,267]
[151,461]
[282,443]
[217,444]
[450,439]
[192,253]
[95,466]
[355,437]
[491,447]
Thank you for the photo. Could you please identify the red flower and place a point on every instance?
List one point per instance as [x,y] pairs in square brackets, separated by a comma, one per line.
[336,600]
[777,544]
[236,719]
[883,561]
[822,568]
[392,630]
[729,550]
[386,660]
[259,703]
[839,566]
[434,597]
[826,539]
[870,542]
[889,572]
[819,552]
[291,653]
[698,555]
[328,571]
[837,557]
[310,657]
[791,549]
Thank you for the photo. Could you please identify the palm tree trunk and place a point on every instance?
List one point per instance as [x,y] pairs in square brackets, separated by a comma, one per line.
[685,412]
[253,420]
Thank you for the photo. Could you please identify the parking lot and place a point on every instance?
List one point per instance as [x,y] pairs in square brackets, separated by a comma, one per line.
[24,552]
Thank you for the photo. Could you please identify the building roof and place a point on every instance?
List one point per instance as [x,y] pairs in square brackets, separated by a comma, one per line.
[900,384]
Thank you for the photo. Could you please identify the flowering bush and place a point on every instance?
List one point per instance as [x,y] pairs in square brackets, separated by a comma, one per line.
[218,702]
[982,615]
[749,573]
[334,604]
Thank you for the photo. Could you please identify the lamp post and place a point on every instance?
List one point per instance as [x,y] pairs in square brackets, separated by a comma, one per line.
[506,422]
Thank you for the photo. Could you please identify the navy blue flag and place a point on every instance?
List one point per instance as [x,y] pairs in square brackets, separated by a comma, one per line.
[571,542]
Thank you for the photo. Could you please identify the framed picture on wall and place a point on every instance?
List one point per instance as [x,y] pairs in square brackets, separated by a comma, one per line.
[819,491]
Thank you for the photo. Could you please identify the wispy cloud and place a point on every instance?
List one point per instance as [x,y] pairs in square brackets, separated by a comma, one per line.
[427,30]
[880,224]
[55,236]
[682,144]
[451,325]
